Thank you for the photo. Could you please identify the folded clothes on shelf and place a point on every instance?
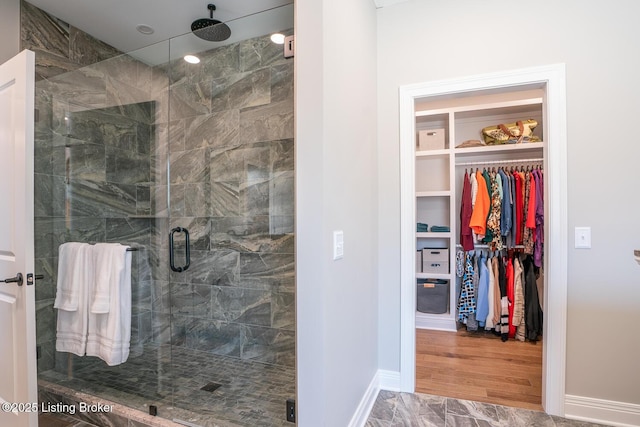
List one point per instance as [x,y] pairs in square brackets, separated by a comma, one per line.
[440,228]
[422,228]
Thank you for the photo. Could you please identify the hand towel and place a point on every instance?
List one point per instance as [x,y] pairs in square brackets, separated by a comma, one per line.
[75,273]
[108,261]
[109,333]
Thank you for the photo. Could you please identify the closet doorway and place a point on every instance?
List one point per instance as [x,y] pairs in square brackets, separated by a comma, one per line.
[549,81]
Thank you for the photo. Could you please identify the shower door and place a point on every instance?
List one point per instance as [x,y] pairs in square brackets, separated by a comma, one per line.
[231,172]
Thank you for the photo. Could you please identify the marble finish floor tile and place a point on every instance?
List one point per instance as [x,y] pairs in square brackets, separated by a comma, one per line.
[393,409]
[172,378]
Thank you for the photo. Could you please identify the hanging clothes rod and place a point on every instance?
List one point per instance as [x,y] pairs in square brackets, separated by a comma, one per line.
[500,162]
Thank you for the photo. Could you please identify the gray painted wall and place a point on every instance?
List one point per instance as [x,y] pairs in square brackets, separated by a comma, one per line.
[10,24]
[418,42]
[336,190]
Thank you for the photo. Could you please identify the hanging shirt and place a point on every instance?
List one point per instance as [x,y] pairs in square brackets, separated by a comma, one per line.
[505,207]
[482,310]
[490,324]
[478,221]
[466,234]
[527,231]
[512,235]
[493,222]
[537,248]
[467,299]
[510,294]
[518,309]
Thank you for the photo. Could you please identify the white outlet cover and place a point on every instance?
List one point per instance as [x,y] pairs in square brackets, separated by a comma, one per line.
[338,245]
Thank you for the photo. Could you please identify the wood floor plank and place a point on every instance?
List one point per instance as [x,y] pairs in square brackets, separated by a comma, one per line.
[479,366]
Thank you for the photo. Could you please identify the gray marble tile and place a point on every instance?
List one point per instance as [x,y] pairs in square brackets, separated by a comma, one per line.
[426,408]
[282,155]
[221,61]
[86,50]
[188,98]
[202,306]
[255,198]
[283,313]
[215,337]
[189,166]
[241,233]
[46,361]
[260,52]
[86,161]
[462,421]
[281,194]
[46,287]
[385,405]
[50,65]
[46,316]
[282,82]
[196,199]
[218,130]
[127,167]
[219,268]
[268,345]
[43,31]
[227,165]
[102,199]
[160,297]
[240,305]
[225,198]
[267,271]
[267,123]
[161,328]
[241,90]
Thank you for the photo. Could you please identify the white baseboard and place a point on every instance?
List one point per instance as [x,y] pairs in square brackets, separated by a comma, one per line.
[389,380]
[361,415]
[608,412]
[435,322]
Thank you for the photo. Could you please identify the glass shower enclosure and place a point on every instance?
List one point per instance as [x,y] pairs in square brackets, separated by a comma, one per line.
[192,166]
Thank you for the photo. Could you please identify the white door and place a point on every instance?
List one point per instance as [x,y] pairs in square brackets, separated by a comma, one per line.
[18,374]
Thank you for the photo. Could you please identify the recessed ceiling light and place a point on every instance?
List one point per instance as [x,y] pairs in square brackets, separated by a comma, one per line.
[192,59]
[277,38]
[145,29]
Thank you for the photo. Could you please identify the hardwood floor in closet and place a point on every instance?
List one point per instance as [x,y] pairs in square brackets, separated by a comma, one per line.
[480,367]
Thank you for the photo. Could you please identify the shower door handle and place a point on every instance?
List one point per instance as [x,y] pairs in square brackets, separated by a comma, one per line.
[187,252]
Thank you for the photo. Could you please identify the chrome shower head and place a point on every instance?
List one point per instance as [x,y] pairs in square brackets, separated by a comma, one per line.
[211,29]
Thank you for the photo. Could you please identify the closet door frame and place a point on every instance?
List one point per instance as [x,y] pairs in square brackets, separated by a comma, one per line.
[551,79]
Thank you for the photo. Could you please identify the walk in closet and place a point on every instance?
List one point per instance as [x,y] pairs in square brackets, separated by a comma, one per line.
[447,113]
[449,145]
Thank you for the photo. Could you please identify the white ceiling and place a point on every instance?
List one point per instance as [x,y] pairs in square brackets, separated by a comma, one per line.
[114,21]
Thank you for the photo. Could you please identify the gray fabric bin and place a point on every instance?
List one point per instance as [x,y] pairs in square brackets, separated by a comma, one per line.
[433,296]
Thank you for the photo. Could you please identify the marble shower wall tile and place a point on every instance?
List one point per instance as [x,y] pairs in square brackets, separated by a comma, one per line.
[267,123]
[268,345]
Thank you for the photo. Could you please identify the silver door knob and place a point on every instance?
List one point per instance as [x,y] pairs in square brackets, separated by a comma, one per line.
[18,279]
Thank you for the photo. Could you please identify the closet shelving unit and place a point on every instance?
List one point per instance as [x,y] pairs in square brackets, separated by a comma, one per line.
[439,173]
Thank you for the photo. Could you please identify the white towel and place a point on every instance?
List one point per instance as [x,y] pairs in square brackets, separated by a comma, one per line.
[108,261]
[75,273]
[109,331]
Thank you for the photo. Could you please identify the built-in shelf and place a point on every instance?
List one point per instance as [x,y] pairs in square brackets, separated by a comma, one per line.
[528,147]
[433,234]
[437,193]
[433,276]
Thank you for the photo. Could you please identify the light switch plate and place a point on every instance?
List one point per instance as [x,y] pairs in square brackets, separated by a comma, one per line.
[338,244]
[583,238]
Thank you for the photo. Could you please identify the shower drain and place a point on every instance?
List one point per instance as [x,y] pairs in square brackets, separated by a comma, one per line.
[211,387]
